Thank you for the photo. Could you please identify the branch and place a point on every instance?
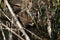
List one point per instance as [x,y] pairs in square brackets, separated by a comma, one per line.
[5,15]
[33,34]
[0,1]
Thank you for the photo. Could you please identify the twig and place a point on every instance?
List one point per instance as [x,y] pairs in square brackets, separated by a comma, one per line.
[5,15]
[17,22]
[33,34]
[0,1]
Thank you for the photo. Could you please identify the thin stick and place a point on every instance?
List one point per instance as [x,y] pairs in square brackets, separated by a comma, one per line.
[0,1]
[33,34]
[5,15]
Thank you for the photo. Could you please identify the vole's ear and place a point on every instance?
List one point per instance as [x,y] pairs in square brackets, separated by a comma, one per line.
[16,9]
